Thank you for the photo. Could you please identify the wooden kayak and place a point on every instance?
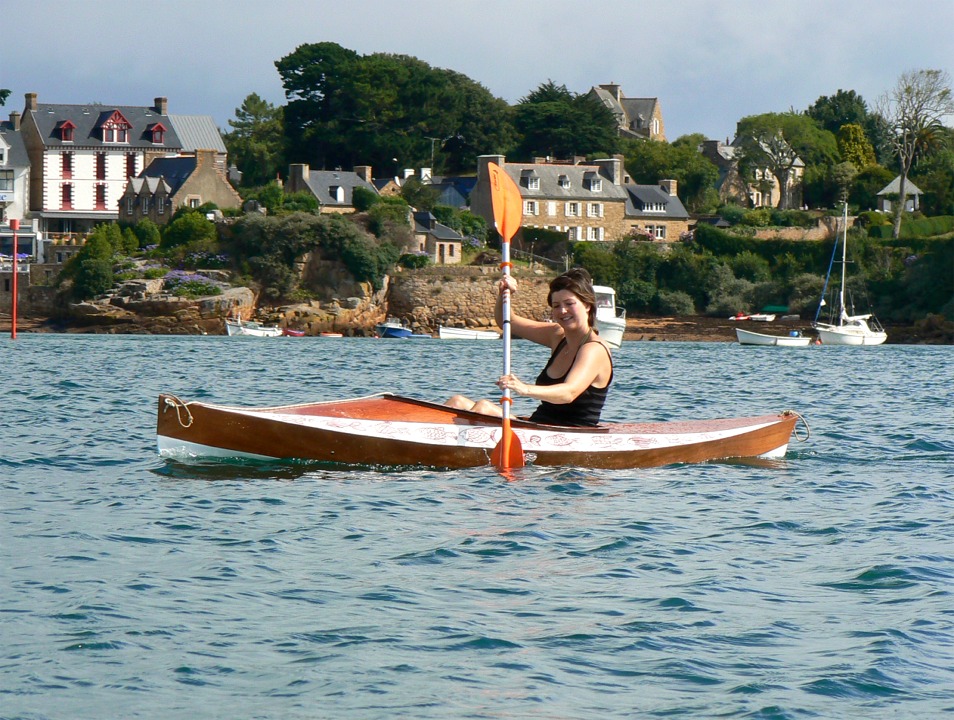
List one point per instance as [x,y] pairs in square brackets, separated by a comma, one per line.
[392,430]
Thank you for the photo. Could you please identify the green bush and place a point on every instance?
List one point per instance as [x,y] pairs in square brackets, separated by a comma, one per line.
[362,198]
[414,260]
[758,217]
[676,302]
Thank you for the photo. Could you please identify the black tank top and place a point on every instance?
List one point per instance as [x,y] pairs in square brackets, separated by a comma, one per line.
[584,411]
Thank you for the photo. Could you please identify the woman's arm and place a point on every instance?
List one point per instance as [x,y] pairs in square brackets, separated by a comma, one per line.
[542,333]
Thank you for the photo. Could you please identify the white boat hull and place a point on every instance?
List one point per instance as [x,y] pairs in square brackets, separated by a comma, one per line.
[611,330]
[849,335]
[747,337]
[252,329]
[610,319]
[452,333]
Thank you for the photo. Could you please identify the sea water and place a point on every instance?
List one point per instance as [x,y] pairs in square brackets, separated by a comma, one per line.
[819,586]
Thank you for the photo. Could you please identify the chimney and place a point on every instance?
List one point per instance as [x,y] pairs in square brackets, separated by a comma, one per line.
[614,90]
[668,186]
[30,103]
[363,172]
[161,105]
[204,157]
[611,168]
[298,176]
[15,120]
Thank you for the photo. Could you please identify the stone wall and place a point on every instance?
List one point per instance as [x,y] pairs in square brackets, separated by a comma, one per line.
[461,296]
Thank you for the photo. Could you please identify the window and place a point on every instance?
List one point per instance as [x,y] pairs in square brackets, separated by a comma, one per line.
[450,250]
[144,204]
[100,166]
[595,210]
[661,232]
[101,196]
[66,131]
[6,180]
[575,233]
[130,204]
[194,202]
[337,193]
[596,233]
[3,155]
[160,205]
[530,207]
[66,196]
[158,133]
[66,165]
[564,182]
[130,165]
[116,128]
[533,183]
[572,209]
[596,185]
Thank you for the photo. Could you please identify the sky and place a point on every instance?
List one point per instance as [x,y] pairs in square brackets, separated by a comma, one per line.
[709,63]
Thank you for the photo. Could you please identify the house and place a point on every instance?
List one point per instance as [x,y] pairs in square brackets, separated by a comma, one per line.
[173,182]
[334,189]
[453,191]
[82,157]
[637,118]
[15,189]
[586,201]
[891,192]
[199,132]
[655,212]
[593,201]
[762,190]
[441,243]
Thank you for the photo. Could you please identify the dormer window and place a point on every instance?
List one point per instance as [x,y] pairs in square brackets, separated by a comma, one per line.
[337,193]
[564,182]
[157,132]
[115,128]
[66,129]
[530,179]
[593,182]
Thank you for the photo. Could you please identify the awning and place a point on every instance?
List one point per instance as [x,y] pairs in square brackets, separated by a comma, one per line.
[70,215]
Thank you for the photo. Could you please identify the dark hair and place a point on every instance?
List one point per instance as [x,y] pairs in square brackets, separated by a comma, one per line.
[578,282]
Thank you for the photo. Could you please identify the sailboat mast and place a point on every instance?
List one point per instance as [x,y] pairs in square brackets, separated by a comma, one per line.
[843,314]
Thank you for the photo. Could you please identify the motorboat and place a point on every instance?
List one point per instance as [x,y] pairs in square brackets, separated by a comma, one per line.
[610,318]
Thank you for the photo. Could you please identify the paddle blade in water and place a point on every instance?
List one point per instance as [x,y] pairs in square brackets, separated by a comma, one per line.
[508,453]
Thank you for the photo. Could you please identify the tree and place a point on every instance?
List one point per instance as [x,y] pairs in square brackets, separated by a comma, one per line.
[383,110]
[914,110]
[845,107]
[777,142]
[256,143]
[553,122]
[854,146]
[4,94]
[649,161]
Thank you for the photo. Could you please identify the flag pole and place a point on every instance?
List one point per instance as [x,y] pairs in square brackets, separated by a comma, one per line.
[14,225]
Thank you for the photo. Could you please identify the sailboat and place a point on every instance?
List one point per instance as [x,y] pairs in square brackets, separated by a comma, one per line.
[846,329]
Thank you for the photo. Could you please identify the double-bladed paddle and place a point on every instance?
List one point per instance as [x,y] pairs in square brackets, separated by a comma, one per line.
[508,214]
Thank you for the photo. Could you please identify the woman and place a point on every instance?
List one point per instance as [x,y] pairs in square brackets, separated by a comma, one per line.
[573,385]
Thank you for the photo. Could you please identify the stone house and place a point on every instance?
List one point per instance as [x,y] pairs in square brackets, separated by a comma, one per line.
[442,244]
[762,191]
[588,201]
[637,118]
[334,189]
[15,190]
[172,182]
[82,157]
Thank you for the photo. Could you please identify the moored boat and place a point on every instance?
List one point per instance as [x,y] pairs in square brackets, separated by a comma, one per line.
[392,430]
[793,339]
[845,329]
[238,327]
[610,318]
[453,333]
[393,328]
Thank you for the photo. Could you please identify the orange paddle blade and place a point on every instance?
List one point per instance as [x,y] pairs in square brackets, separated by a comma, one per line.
[508,453]
[506,200]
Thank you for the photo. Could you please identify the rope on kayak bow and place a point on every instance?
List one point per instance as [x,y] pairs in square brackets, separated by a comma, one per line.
[808,430]
[173,401]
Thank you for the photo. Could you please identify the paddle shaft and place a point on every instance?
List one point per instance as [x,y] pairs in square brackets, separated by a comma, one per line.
[505,314]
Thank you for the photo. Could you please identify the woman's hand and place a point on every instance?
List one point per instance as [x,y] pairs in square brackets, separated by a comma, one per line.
[507,282]
[513,383]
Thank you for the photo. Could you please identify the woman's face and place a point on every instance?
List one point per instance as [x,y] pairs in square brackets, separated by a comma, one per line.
[568,310]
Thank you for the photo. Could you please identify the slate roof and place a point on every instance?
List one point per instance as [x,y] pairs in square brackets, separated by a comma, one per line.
[87,118]
[894,188]
[152,184]
[174,170]
[321,180]
[426,224]
[641,196]
[17,155]
[550,188]
[197,132]
[628,110]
